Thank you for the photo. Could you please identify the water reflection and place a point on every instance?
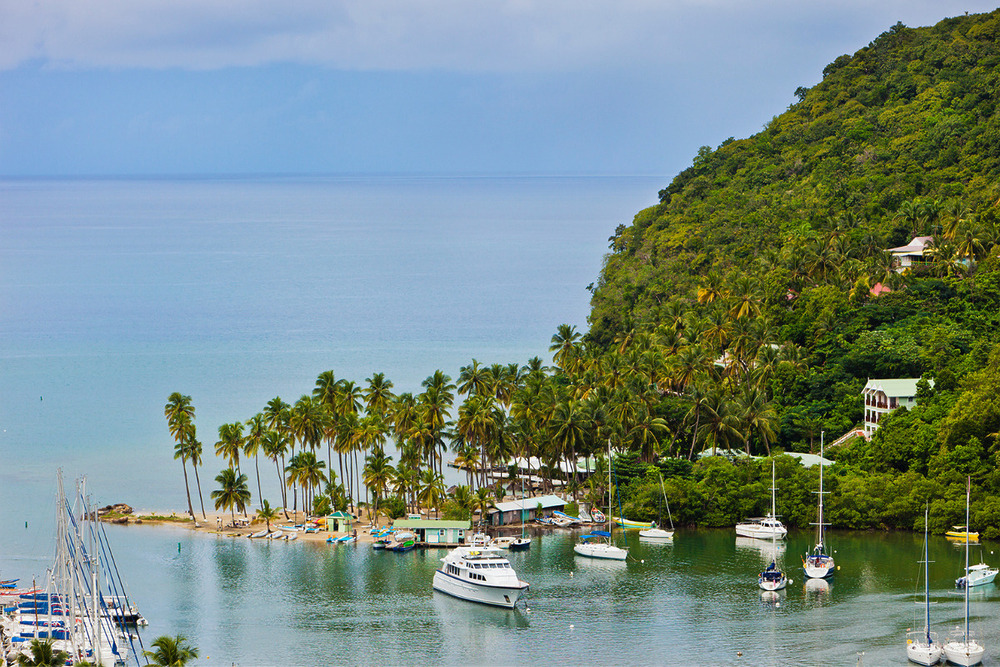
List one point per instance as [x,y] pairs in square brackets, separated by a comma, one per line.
[817,589]
[767,549]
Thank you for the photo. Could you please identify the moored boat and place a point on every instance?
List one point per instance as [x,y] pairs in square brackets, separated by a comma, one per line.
[962,648]
[977,575]
[962,532]
[479,574]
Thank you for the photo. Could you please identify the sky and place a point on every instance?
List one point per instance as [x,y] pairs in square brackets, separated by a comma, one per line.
[456,87]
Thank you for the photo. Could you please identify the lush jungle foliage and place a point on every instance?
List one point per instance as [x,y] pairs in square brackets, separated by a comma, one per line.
[736,314]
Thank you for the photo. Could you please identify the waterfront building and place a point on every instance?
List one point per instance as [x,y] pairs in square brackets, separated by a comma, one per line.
[435,531]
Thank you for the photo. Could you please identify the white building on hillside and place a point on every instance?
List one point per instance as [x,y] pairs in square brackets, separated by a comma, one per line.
[884,396]
[912,254]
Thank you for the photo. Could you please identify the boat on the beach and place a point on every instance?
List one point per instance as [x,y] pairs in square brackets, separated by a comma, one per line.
[479,574]
[275,535]
[291,536]
[262,533]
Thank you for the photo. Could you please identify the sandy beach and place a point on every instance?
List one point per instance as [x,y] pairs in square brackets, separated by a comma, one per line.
[221,523]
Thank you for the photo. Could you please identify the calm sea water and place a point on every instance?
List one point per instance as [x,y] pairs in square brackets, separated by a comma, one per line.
[115,293]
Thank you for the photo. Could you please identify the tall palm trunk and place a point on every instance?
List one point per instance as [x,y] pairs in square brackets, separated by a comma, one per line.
[201,498]
[260,496]
[187,487]
[281,482]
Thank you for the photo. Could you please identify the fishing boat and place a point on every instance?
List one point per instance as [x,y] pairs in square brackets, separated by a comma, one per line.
[961,647]
[818,564]
[657,533]
[961,533]
[922,646]
[479,574]
[977,575]
[773,577]
[763,528]
[600,543]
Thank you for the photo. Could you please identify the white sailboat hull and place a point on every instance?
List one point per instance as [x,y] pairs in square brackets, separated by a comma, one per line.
[818,568]
[599,550]
[762,530]
[772,584]
[918,650]
[964,652]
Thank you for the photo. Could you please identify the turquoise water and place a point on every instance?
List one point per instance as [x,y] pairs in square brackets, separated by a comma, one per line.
[693,601]
[114,294]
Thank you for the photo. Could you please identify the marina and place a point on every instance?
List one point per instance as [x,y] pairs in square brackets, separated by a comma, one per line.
[677,596]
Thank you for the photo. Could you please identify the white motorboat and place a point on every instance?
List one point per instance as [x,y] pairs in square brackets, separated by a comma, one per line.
[480,540]
[762,528]
[773,577]
[502,542]
[479,574]
[600,543]
[977,575]
[818,564]
[962,648]
[922,646]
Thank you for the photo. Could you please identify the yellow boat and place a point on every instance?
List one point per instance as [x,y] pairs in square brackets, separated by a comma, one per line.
[960,533]
[626,523]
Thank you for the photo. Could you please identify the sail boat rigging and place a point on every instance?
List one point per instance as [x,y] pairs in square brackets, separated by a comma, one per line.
[602,545]
[773,578]
[657,533]
[521,543]
[922,646]
[818,564]
[962,648]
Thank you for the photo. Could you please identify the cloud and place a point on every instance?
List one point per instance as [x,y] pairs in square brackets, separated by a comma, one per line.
[455,35]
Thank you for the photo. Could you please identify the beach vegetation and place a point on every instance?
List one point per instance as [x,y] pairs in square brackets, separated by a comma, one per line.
[43,654]
[171,651]
[232,493]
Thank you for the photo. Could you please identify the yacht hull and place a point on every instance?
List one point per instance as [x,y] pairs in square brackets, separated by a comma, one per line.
[496,596]
[964,652]
[597,550]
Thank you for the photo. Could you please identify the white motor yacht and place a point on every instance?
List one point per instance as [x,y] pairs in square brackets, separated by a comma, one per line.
[479,574]
[762,528]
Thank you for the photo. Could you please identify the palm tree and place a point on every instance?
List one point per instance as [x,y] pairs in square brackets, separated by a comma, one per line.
[566,345]
[194,453]
[254,443]
[43,655]
[267,513]
[310,475]
[711,288]
[757,414]
[378,396]
[230,443]
[171,652]
[275,446]
[431,490]
[463,497]
[474,379]
[378,473]
[232,493]
[180,420]
[482,502]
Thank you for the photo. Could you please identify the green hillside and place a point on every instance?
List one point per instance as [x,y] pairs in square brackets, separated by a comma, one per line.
[766,250]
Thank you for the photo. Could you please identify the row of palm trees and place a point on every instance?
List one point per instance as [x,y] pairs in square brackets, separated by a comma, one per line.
[547,417]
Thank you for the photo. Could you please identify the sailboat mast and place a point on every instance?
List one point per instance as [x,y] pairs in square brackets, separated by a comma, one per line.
[820,527]
[968,495]
[611,522]
[927,584]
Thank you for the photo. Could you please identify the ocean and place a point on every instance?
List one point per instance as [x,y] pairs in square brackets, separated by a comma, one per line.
[115,293]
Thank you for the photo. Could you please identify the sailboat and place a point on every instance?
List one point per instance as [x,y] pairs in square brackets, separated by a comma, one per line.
[773,578]
[521,543]
[818,564]
[922,646]
[602,546]
[961,648]
[657,533]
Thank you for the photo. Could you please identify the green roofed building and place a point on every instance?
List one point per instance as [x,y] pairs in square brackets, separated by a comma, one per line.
[340,522]
[435,531]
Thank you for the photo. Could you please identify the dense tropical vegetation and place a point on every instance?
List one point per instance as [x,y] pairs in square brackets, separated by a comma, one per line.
[740,313]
